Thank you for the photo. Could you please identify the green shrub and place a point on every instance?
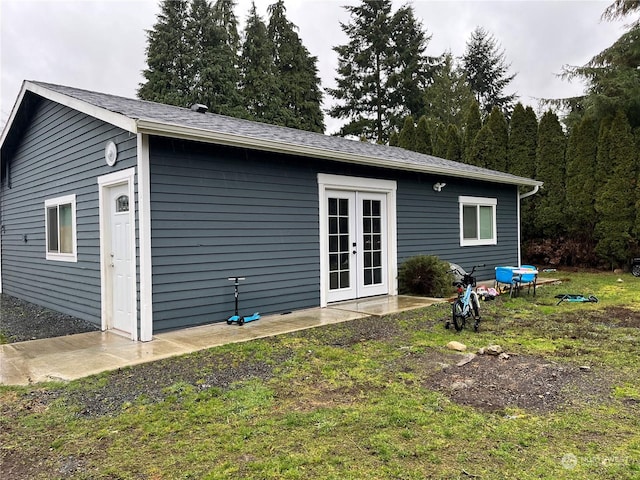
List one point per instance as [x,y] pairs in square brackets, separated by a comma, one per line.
[425,275]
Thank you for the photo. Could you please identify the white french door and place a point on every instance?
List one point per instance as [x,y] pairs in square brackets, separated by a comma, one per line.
[357,253]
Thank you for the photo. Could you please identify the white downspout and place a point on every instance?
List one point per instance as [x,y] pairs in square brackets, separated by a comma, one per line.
[520,197]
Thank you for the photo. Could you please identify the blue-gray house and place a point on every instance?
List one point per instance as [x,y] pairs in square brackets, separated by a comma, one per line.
[133,214]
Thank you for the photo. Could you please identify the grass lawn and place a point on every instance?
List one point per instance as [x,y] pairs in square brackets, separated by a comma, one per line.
[376,398]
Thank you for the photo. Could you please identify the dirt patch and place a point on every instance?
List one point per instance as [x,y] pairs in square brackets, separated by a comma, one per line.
[490,383]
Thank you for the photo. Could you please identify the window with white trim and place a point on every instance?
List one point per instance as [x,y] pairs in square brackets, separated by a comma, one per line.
[477,221]
[60,226]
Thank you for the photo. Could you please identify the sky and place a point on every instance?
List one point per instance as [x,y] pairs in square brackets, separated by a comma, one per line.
[100,44]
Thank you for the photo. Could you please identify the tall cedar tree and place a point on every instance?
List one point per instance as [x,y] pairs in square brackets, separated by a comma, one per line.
[472,125]
[168,77]
[581,178]
[297,73]
[382,70]
[615,202]
[454,143]
[407,137]
[212,34]
[500,129]
[446,99]
[259,85]
[487,71]
[550,167]
[485,148]
[423,136]
[439,140]
[523,139]
[521,159]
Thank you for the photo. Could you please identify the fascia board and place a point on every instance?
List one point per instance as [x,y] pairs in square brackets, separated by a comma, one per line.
[12,115]
[116,119]
[163,129]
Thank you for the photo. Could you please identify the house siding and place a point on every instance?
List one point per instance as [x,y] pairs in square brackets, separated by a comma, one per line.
[61,152]
[429,222]
[219,212]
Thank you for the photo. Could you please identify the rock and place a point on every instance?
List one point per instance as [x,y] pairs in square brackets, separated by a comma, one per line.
[493,350]
[619,280]
[453,345]
[503,356]
[585,367]
[467,358]
[618,271]
[481,351]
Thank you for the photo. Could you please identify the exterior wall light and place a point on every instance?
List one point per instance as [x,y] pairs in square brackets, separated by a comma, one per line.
[439,186]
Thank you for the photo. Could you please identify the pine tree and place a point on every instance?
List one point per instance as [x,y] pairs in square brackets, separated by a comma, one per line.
[615,202]
[447,97]
[472,125]
[258,85]
[486,69]
[550,168]
[168,76]
[381,71]
[498,126]
[407,137]
[423,136]
[297,74]
[581,178]
[411,68]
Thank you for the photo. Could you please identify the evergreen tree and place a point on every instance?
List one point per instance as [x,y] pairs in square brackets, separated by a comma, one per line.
[486,70]
[523,139]
[411,68]
[615,202]
[581,178]
[381,71]
[447,97]
[212,36]
[259,86]
[439,140]
[498,126]
[472,125]
[484,149]
[550,168]
[521,159]
[168,77]
[423,136]
[297,73]
[454,144]
[407,137]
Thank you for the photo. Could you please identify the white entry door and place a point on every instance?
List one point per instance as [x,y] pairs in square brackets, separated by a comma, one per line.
[357,244]
[119,258]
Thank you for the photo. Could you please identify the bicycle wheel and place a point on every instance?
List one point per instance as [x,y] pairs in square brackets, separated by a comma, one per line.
[457,310]
[635,270]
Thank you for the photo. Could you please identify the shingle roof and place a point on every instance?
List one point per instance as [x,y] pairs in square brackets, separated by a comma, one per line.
[168,120]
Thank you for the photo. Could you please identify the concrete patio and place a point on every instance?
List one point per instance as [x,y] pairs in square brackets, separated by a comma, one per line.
[76,356]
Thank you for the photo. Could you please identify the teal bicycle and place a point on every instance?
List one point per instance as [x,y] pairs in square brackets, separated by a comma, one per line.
[467,304]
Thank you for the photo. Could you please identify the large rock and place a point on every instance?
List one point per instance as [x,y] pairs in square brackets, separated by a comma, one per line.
[453,345]
[493,350]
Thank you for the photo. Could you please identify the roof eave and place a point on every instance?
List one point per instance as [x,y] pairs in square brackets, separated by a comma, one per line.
[164,129]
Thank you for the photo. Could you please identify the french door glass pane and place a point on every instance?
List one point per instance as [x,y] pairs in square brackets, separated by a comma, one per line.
[371,242]
[339,253]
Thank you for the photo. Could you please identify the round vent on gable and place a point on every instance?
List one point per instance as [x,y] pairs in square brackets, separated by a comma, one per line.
[111,153]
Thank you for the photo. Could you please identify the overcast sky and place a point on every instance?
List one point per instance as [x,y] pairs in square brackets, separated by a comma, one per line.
[100,44]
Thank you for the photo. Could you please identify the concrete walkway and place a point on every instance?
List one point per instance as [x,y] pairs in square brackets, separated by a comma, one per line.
[76,356]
